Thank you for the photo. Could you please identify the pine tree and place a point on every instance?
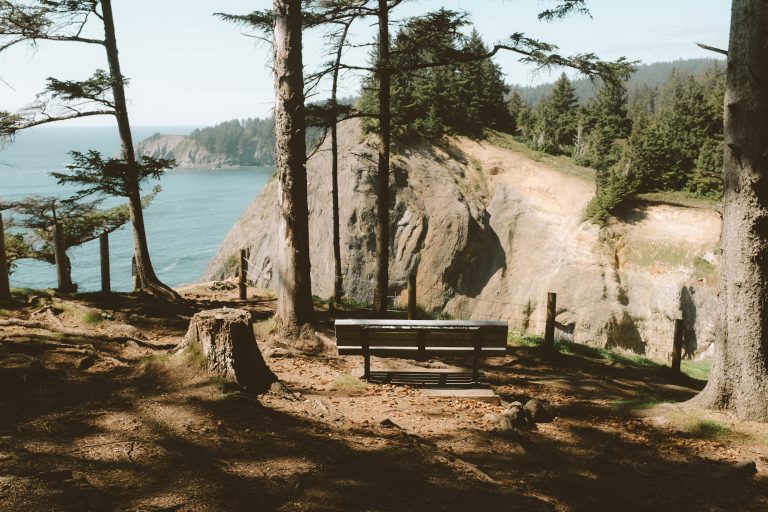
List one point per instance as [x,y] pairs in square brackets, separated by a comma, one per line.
[558,120]
[604,122]
[514,106]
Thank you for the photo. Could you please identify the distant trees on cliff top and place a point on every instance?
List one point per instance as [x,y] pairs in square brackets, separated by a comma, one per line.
[650,138]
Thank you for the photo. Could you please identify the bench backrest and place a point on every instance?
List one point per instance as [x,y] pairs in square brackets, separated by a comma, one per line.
[416,338]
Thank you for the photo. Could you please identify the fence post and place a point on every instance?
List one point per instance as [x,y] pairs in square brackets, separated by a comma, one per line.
[549,329]
[243,274]
[135,275]
[5,285]
[106,285]
[677,346]
[60,255]
[412,295]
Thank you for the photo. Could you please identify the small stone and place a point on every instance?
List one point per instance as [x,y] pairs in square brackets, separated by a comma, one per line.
[514,418]
[540,412]
[490,418]
[85,362]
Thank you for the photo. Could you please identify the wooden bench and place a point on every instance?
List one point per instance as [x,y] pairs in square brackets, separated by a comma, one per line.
[417,339]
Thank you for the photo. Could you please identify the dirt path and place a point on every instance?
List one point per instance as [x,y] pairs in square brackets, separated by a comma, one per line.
[88,423]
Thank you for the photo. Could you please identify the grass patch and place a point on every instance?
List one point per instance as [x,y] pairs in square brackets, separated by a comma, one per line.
[192,356]
[91,318]
[518,339]
[636,404]
[570,348]
[346,383]
[704,271]
[708,429]
[696,369]
[435,314]
[649,254]
[561,163]
[154,359]
[680,198]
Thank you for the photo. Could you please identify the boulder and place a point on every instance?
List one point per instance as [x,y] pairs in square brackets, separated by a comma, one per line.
[540,412]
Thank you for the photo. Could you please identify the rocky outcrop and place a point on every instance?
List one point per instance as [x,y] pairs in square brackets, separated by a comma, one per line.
[491,231]
[186,151]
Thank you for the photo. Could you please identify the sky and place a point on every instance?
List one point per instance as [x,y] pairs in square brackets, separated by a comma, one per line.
[188,68]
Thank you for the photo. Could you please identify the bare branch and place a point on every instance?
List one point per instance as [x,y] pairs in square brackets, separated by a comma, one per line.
[712,49]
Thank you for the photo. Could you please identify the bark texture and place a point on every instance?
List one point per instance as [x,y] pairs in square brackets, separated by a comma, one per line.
[226,340]
[147,278]
[382,213]
[739,379]
[63,268]
[5,286]
[294,289]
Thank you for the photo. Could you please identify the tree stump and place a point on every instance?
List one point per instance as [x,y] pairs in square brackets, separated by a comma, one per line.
[226,340]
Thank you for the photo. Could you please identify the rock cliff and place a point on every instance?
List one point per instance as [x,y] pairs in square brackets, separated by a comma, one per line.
[186,151]
[491,232]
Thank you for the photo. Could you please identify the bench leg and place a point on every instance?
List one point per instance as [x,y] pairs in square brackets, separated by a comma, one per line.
[366,356]
[476,362]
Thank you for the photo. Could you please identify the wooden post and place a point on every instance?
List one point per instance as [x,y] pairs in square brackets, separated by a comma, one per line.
[549,329]
[5,285]
[677,346]
[60,254]
[135,275]
[412,295]
[106,285]
[243,274]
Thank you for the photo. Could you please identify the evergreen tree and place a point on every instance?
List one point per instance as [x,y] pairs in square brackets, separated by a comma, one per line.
[602,123]
[558,119]
[515,106]
[101,94]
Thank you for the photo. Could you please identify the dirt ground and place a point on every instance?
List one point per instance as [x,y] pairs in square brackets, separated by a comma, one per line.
[96,415]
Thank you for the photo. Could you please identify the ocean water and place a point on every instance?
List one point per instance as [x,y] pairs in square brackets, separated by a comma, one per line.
[185,224]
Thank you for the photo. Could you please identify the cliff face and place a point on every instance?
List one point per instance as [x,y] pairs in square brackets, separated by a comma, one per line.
[187,153]
[491,232]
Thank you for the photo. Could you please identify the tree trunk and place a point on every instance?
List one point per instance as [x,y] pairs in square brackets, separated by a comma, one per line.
[63,269]
[225,338]
[382,225]
[338,284]
[739,379]
[149,281]
[294,293]
[5,285]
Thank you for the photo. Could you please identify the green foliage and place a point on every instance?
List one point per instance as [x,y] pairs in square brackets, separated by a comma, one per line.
[92,318]
[518,339]
[462,96]
[251,141]
[110,177]
[556,121]
[98,88]
[29,233]
[652,139]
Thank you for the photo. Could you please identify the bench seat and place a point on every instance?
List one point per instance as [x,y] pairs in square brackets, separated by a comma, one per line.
[418,339]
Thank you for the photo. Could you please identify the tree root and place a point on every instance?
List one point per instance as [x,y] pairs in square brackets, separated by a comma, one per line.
[32,324]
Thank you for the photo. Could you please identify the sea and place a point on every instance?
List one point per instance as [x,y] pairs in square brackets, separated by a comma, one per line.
[185,223]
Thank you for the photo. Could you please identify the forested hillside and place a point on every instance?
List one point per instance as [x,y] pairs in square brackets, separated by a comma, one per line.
[646,75]
[249,141]
[641,138]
